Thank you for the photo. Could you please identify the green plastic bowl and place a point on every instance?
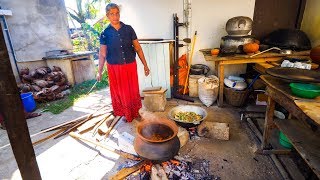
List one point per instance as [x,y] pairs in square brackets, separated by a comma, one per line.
[284,141]
[309,91]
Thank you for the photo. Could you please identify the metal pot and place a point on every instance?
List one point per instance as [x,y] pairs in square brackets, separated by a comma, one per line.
[233,44]
[188,108]
[239,26]
[199,69]
[157,140]
[293,39]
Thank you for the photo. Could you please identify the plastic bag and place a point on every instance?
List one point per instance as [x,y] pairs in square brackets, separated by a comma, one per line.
[208,89]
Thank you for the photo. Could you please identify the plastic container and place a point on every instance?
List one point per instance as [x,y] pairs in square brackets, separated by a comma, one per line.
[284,141]
[193,85]
[309,91]
[28,102]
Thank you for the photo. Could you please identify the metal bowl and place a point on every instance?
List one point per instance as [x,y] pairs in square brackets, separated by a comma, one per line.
[188,108]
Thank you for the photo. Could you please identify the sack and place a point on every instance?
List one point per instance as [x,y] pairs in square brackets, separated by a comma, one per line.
[208,89]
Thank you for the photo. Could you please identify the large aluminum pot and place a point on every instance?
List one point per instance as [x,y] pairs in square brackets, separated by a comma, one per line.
[239,26]
[188,108]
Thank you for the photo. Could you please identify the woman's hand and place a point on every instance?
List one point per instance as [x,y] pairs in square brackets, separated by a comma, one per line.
[146,70]
[99,75]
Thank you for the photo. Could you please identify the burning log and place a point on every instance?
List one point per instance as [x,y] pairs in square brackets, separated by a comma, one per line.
[158,173]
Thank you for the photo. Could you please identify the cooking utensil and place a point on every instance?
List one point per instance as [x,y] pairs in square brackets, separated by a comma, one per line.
[188,108]
[239,26]
[265,51]
[309,91]
[285,51]
[157,140]
[288,39]
[295,74]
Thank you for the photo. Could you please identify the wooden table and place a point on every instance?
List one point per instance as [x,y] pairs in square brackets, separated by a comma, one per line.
[303,129]
[220,62]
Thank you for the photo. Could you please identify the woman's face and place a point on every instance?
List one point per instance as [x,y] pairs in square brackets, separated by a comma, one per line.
[114,16]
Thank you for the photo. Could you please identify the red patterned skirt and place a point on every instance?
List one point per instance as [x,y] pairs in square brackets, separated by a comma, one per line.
[124,88]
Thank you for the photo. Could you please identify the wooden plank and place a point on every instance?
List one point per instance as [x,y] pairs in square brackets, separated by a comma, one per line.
[250,60]
[91,123]
[83,70]
[268,122]
[305,141]
[15,122]
[280,85]
[119,152]
[278,90]
[301,54]
[310,107]
[221,79]
[124,172]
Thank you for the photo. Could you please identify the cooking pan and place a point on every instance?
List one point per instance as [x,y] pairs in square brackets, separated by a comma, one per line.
[300,75]
[188,108]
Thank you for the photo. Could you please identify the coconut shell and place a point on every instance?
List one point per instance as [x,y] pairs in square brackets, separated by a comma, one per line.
[59,96]
[33,73]
[56,68]
[41,83]
[27,77]
[24,71]
[61,82]
[41,71]
[36,88]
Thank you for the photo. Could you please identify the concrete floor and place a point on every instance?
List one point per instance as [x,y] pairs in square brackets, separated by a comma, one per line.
[67,158]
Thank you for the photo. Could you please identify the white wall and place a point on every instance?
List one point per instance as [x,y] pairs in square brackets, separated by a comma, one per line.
[153,19]
[37,26]
[311,21]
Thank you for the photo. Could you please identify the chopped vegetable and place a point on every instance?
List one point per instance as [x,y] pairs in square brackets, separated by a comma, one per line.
[187,116]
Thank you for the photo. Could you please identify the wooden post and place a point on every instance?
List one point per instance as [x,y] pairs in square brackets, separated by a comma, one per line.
[221,79]
[15,122]
[268,122]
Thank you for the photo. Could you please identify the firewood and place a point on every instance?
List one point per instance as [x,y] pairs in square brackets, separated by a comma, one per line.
[59,96]
[158,173]
[103,128]
[120,153]
[90,124]
[124,172]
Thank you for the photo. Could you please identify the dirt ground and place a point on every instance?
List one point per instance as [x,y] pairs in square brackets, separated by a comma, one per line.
[67,158]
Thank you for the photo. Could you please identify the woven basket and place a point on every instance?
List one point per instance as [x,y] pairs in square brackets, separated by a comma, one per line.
[235,97]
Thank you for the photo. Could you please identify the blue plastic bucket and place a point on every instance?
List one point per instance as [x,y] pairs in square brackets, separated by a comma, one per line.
[28,102]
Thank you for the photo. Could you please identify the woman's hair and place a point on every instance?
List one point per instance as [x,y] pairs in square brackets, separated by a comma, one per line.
[111,6]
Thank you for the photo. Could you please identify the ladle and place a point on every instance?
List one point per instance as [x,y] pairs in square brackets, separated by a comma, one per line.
[282,51]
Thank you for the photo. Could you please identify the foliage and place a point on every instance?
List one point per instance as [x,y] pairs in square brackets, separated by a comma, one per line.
[77,92]
[88,10]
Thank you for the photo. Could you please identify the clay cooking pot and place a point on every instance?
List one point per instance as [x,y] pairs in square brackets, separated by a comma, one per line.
[157,140]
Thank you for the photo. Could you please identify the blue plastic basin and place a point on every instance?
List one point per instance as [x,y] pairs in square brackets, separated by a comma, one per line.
[28,102]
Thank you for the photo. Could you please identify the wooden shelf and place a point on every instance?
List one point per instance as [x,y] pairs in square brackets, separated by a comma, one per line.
[305,141]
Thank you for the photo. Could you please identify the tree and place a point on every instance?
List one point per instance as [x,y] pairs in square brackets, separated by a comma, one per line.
[86,11]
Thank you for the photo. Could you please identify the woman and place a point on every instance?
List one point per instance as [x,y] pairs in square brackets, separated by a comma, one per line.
[119,45]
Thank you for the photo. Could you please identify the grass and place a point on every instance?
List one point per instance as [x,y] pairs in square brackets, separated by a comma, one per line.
[77,92]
